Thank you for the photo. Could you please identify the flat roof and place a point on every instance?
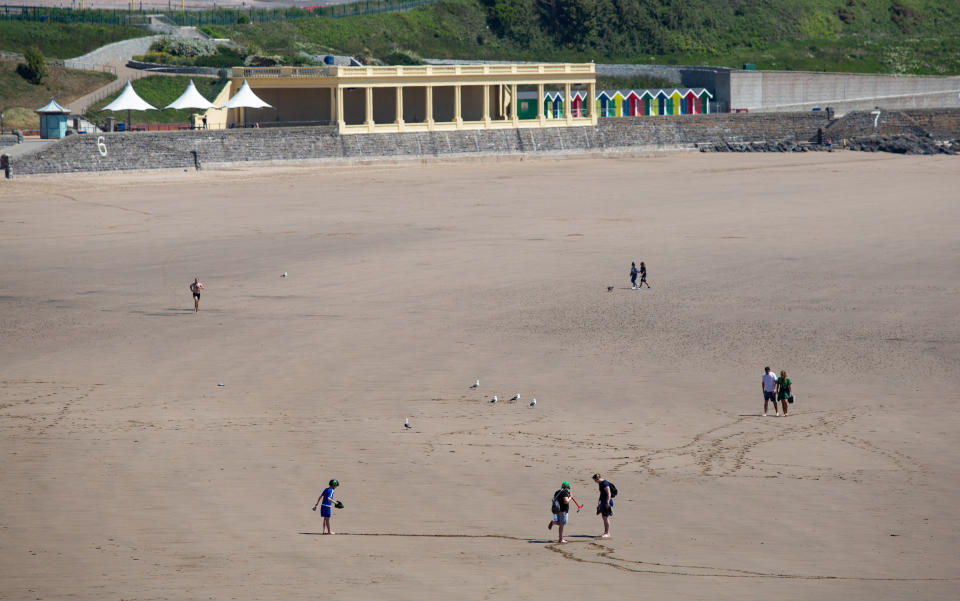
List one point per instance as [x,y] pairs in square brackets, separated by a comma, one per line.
[373,75]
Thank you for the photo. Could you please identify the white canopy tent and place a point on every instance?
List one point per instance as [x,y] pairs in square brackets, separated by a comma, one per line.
[190,99]
[246,99]
[128,100]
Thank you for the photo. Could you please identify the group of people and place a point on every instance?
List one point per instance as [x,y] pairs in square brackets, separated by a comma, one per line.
[634,272]
[776,389]
[560,506]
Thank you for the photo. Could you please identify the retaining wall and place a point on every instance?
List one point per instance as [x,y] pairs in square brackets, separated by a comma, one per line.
[795,91]
[180,149]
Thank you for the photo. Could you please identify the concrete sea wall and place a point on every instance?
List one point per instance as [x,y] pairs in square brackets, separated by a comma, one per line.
[190,149]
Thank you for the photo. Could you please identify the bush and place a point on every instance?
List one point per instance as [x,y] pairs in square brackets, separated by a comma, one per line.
[35,71]
[186,47]
[403,57]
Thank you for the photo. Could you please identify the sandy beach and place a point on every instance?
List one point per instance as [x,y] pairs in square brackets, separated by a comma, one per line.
[129,473]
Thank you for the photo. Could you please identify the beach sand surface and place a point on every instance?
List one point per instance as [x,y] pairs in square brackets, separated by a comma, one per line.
[129,473]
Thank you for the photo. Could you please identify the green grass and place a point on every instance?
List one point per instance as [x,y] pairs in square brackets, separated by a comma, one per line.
[57,40]
[868,36]
[63,84]
[158,90]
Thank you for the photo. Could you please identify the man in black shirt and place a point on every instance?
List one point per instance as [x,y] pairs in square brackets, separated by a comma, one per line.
[604,504]
[560,507]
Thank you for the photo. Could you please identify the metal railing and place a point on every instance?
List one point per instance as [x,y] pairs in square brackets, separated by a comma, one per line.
[219,16]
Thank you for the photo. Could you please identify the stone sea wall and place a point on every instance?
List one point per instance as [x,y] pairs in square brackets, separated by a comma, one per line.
[193,149]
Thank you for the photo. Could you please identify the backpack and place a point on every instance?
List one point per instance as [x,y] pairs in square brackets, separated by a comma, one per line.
[555,506]
[613,489]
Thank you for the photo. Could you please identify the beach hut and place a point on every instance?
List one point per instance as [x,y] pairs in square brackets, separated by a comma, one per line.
[553,105]
[606,106]
[661,102]
[673,102]
[53,120]
[632,104]
[527,103]
[618,108]
[647,103]
[576,103]
[702,101]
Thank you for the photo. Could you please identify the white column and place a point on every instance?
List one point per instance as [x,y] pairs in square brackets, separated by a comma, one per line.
[399,120]
[341,124]
[514,116]
[540,117]
[567,103]
[333,105]
[369,109]
[486,105]
[457,106]
[429,120]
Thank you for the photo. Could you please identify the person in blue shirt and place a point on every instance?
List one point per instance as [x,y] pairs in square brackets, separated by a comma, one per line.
[326,504]
[633,275]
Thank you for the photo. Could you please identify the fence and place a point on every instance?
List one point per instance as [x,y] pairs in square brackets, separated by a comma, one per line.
[219,16]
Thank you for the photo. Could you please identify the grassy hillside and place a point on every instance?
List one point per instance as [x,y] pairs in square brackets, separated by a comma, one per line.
[62,84]
[58,40]
[158,90]
[889,36]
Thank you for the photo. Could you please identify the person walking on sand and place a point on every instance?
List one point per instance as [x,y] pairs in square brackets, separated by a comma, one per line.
[326,504]
[195,287]
[633,275]
[643,276]
[605,503]
[560,508]
[784,392]
[768,383]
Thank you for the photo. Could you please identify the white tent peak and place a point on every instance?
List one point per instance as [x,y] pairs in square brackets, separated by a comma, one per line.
[128,100]
[245,98]
[53,107]
[190,99]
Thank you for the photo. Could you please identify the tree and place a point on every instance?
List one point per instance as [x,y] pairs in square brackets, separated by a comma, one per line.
[36,67]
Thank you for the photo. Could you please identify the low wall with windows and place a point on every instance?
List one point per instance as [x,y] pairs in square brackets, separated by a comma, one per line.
[190,149]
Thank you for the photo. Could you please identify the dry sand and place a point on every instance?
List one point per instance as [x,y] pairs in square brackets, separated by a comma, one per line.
[128,473]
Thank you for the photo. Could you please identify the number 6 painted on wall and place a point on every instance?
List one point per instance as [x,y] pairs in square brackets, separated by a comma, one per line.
[101,146]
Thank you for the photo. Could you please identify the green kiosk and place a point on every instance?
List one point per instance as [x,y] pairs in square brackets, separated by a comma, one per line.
[53,120]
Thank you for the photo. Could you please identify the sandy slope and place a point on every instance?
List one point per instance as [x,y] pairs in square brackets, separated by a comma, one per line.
[127,472]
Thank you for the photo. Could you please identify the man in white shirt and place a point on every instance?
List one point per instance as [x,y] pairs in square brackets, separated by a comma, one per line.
[769,385]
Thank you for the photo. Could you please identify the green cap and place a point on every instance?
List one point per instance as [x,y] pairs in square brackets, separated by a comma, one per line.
[565,485]
[334,483]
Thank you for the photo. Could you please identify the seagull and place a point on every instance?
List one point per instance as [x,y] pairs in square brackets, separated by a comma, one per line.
[515,397]
[533,402]
[284,274]
[219,383]
[609,288]
[406,423]
[476,384]
[494,399]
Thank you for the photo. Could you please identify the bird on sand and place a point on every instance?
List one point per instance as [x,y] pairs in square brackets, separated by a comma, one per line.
[406,423]
[609,288]
[475,384]
[494,399]
[515,397]
[533,402]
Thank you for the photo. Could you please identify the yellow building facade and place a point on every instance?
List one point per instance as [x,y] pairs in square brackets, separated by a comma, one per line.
[407,98]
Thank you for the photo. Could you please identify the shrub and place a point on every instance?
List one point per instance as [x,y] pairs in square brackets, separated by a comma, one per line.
[187,47]
[402,57]
[35,71]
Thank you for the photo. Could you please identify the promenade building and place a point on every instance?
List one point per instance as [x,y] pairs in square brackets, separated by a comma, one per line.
[374,99]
